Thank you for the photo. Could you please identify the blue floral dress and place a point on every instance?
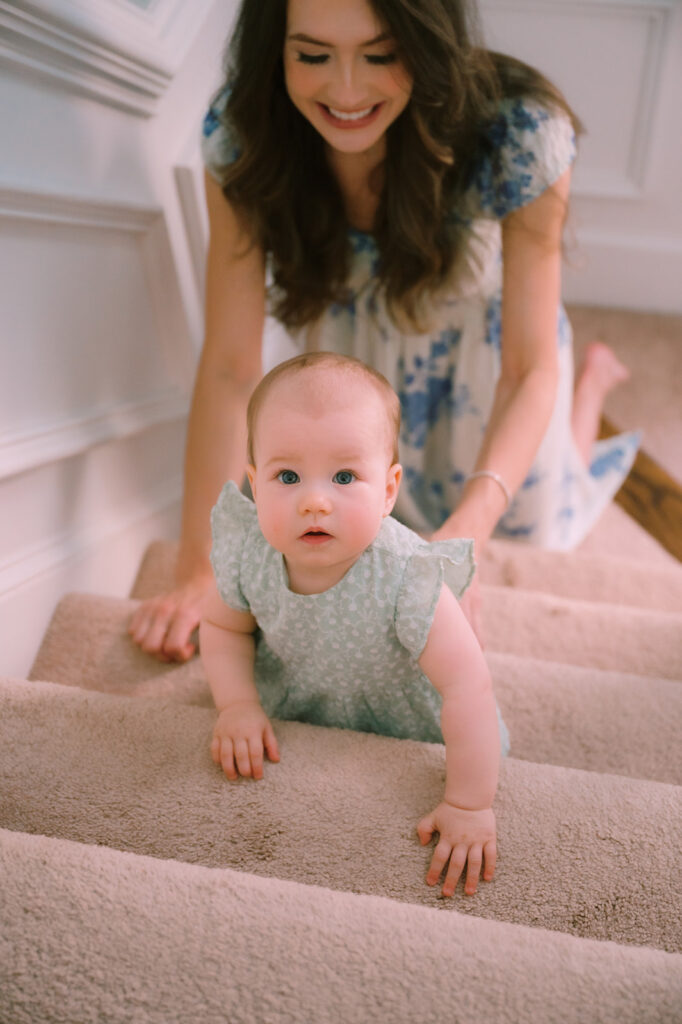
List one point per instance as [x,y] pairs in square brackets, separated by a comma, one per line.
[446,378]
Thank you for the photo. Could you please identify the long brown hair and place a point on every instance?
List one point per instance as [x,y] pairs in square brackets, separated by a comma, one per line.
[287,195]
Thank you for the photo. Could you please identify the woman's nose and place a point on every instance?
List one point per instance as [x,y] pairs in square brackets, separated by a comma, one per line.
[348,85]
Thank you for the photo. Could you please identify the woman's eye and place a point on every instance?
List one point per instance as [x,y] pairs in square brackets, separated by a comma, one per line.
[309,58]
[287,476]
[344,476]
[384,58]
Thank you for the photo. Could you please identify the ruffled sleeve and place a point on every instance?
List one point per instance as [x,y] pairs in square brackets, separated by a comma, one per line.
[218,145]
[530,147]
[443,561]
[232,520]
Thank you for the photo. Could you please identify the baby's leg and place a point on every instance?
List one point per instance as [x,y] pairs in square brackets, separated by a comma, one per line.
[601,371]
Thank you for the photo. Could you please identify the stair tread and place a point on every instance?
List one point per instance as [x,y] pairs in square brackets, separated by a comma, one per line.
[390,960]
[145,783]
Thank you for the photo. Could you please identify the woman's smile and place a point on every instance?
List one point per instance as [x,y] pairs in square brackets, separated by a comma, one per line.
[345,120]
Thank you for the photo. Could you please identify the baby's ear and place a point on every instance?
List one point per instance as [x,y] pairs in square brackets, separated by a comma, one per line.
[393,478]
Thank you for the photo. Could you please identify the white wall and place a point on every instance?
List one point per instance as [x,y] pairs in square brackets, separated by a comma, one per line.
[102,230]
[101,316]
[619,63]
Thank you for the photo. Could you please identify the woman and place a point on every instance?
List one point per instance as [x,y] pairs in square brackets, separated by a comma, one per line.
[410,190]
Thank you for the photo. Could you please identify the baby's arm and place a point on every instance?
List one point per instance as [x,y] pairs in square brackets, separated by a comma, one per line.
[454,662]
[227,652]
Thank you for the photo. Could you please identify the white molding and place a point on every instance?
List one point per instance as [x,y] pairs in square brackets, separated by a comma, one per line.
[188,174]
[23,450]
[109,50]
[49,442]
[79,211]
[35,560]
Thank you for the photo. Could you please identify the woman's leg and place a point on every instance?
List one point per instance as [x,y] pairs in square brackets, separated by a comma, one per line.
[601,371]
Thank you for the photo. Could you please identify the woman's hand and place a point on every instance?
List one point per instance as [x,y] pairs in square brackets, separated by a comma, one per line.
[241,734]
[465,837]
[163,625]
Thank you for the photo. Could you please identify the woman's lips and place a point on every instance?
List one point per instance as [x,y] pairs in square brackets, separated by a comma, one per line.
[350,123]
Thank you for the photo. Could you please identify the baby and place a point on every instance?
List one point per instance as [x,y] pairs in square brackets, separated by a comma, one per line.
[357,616]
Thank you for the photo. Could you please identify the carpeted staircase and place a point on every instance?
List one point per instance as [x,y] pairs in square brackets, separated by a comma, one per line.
[139,885]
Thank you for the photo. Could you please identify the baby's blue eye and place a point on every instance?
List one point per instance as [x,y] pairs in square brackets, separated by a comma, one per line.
[344,476]
[287,476]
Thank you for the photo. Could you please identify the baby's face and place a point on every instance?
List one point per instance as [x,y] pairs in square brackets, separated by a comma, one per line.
[323,479]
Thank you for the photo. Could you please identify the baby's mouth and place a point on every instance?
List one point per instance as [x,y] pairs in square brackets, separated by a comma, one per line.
[315,536]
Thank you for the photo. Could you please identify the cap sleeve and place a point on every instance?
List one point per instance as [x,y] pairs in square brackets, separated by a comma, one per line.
[218,145]
[443,561]
[530,147]
[232,518]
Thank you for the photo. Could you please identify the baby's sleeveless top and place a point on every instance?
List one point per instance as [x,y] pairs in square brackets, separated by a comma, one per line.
[347,657]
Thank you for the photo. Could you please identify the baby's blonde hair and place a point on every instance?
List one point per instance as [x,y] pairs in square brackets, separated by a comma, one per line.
[322,360]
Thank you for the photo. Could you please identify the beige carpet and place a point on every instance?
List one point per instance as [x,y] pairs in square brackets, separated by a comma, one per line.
[138,884]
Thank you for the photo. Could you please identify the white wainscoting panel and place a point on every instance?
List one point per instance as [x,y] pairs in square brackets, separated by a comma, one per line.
[81,524]
[606,57]
[618,64]
[99,350]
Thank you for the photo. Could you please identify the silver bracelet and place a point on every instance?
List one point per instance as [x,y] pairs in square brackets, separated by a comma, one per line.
[498,480]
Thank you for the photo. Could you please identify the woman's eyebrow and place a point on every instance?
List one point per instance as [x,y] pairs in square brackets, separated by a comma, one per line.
[301,37]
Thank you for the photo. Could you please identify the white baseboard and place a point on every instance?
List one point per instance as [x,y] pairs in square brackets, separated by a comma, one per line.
[102,559]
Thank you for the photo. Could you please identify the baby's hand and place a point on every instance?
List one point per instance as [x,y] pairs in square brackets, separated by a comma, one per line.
[241,732]
[464,836]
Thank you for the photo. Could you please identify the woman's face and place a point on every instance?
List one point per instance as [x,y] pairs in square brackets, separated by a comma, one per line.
[342,72]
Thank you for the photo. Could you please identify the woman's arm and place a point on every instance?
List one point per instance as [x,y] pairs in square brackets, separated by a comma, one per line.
[229,368]
[526,390]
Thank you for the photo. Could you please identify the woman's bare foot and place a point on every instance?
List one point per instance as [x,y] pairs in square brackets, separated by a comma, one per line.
[601,371]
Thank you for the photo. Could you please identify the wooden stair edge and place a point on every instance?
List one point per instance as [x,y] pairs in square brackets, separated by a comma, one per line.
[651,496]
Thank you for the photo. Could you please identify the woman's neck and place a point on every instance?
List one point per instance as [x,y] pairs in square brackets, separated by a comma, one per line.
[361,179]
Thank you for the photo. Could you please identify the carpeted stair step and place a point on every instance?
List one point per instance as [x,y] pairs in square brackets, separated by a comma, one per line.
[515,621]
[625,581]
[589,718]
[590,576]
[178,942]
[590,626]
[587,633]
[86,644]
[578,717]
[593,855]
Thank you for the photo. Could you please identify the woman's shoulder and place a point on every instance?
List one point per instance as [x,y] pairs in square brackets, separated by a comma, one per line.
[527,145]
[218,144]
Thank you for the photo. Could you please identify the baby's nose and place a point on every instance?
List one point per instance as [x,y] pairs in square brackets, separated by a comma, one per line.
[315,500]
